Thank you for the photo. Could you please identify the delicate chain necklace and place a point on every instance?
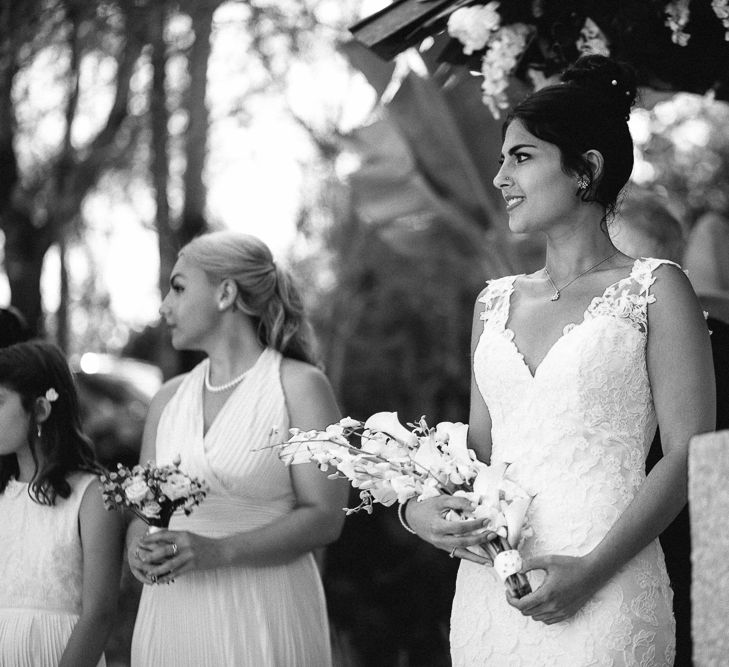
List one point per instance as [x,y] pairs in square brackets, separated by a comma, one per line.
[222,387]
[557,290]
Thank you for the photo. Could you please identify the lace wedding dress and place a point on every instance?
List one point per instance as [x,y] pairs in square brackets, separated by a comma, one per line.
[576,433]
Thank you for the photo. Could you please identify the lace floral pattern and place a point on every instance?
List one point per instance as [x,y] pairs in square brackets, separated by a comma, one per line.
[576,433]
[41,566]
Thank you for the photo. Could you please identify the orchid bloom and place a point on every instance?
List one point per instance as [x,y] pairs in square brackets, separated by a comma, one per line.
[487,482]
[515,512]
[387,422]
[455,437]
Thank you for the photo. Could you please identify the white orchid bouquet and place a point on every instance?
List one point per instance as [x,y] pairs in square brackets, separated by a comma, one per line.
[393,463]
[154,493]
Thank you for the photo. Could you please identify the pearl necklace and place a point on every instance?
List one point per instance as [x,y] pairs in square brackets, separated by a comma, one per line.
[222,387]
[557,290]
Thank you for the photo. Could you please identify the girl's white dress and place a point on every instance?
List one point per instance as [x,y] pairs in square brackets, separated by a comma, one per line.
[41,574]
[576,433]
[247,616]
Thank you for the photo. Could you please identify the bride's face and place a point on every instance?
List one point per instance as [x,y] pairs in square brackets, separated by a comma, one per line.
[537,191]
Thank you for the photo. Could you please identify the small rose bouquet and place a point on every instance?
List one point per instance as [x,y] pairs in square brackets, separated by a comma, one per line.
[152,492]
[388,462]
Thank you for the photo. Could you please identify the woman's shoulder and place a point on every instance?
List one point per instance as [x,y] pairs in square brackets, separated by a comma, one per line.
[670,295]
[496,287]
[299,375]
[163,397]
[167,391]
[663,278]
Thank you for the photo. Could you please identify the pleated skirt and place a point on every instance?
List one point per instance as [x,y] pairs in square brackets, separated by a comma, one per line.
[241,617]
[35,637]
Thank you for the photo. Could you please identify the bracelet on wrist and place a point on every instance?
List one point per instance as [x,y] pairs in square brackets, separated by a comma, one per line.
[401,516]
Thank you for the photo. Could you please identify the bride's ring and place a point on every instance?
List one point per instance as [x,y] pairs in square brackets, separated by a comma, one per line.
[452,554]
[174,549]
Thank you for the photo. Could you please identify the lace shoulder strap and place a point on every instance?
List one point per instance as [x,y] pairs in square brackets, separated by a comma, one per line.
[496,301]
[629,298]
[642,274]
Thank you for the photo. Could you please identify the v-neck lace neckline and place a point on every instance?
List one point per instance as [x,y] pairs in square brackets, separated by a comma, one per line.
[566,330]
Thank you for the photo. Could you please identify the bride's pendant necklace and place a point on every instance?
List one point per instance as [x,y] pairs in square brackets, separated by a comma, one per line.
[216,389]
[557,290]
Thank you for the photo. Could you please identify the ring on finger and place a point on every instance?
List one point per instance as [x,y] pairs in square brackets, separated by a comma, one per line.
[452,554]
[137,554]
[175,549]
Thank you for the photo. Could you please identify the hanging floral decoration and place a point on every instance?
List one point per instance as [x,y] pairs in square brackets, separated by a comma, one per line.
[535,40]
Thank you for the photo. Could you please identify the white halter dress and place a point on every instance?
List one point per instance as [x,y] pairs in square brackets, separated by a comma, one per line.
[576,432]
[263,616]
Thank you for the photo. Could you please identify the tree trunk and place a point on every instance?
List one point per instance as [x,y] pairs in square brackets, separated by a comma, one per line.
[25,248]
[193,220]
[62,324]
[166,238]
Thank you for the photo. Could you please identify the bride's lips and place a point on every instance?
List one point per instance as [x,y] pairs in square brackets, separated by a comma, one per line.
[512,201]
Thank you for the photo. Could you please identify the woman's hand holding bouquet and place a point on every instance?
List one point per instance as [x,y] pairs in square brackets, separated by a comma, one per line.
[388,462]
[153,493]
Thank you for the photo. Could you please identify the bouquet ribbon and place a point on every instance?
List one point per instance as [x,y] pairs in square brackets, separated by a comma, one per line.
[507,563]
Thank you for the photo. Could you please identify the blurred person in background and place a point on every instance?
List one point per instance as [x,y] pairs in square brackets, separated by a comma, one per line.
[706,261]
[646,227]
[13,327]
[236,583]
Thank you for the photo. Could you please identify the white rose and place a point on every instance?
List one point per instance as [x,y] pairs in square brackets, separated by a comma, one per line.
[472,26]
[151,510]
[136,491]
[176,486]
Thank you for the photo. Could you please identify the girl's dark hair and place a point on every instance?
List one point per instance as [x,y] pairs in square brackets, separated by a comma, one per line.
[266,291]
[589,110]
[31,369]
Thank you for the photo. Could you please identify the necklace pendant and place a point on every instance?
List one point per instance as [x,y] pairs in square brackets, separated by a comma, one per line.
[555,296]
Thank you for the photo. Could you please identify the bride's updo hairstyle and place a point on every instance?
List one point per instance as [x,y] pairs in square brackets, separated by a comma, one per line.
[589,110]
[266,292]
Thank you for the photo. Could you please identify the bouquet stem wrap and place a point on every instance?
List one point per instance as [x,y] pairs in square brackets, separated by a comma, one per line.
[507,564]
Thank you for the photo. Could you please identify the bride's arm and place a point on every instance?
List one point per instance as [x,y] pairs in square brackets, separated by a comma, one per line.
[682,383]
[315,520]
[426,518]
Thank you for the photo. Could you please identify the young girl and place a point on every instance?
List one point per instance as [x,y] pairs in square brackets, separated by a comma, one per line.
[61,550]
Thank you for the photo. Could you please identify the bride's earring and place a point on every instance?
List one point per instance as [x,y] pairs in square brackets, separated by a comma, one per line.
[583,183]
[39,428]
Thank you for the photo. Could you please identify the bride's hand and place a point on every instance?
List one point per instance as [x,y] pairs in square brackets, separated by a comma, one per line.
[178,551]
[427,519]
[569,583]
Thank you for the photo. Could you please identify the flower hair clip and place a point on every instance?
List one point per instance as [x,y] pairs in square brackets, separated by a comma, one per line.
[51,395]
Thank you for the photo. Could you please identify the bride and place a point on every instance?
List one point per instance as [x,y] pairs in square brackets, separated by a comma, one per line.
[573,367]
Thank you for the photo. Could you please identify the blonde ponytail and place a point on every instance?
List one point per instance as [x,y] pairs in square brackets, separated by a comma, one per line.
[266,292]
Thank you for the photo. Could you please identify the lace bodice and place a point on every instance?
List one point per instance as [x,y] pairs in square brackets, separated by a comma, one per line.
[41,564]
[576,433]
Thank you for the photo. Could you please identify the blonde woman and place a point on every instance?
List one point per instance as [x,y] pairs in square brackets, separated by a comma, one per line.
[235,583]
